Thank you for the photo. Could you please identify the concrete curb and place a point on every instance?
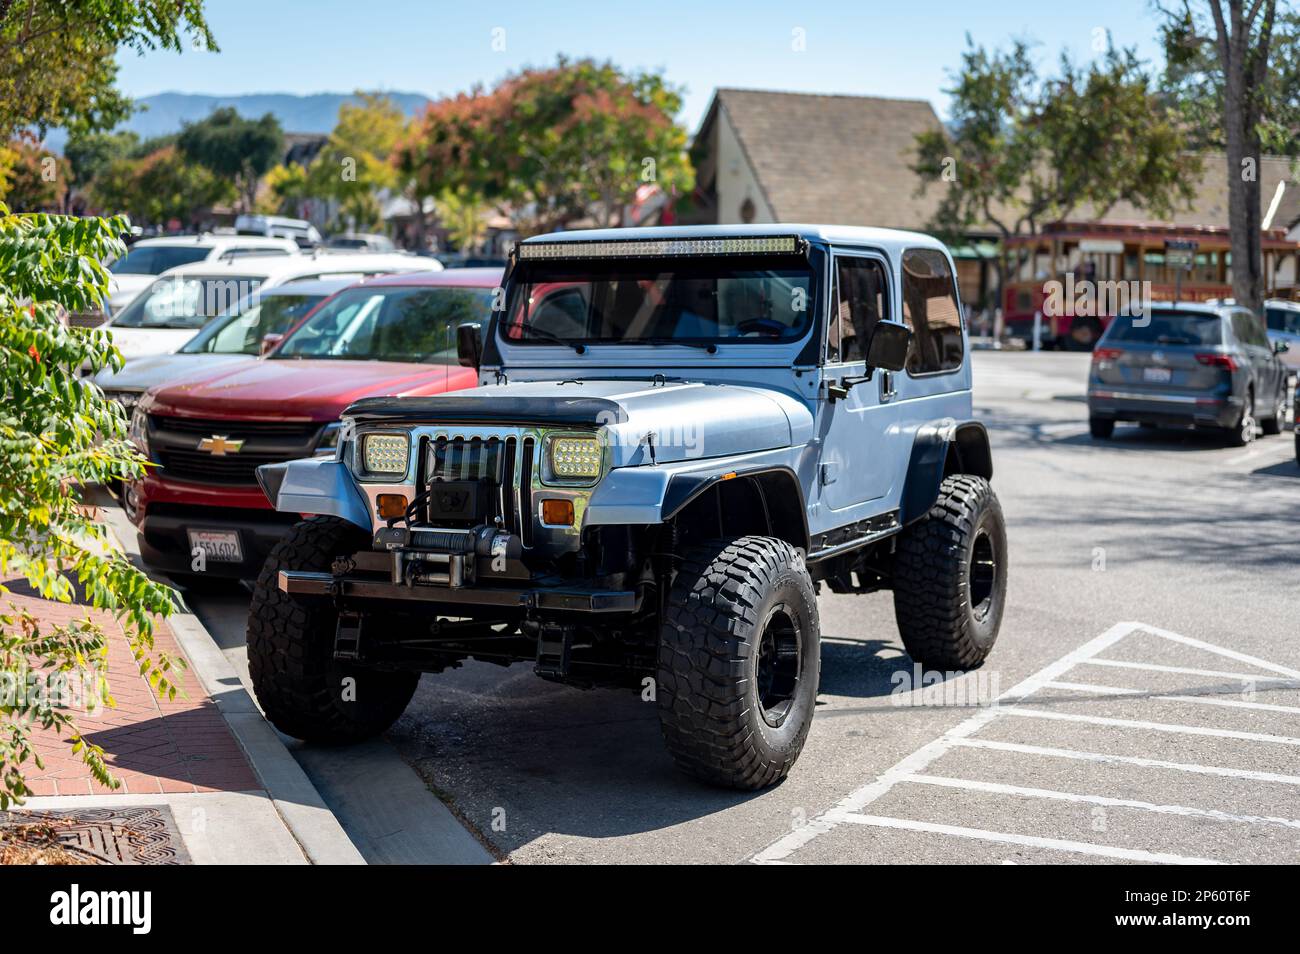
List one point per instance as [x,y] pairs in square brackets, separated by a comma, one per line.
[296,799]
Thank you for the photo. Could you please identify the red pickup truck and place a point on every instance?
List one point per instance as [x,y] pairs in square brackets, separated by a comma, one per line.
[200,513]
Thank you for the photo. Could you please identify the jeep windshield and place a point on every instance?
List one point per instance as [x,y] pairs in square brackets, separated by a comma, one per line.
[389,324]
[686,301]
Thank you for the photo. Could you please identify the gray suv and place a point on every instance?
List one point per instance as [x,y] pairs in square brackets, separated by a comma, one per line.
[680,434]
[1203,365]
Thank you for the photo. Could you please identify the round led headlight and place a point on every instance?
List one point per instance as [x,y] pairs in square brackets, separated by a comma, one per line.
[385,453]
[575,458]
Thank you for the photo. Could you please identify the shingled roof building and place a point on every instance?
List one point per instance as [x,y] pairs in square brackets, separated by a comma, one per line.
[763,156]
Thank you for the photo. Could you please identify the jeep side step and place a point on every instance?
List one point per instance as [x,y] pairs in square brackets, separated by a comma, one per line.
[571,599]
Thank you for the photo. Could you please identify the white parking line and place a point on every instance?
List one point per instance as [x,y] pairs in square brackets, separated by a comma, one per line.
[1030,841]
[1105,757]
[1204,699]
[849,809]
[1148,726]
[998,788]
[1184,671]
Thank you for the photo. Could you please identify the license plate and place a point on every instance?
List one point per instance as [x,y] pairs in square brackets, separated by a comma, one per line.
[1157,375]
[219,546]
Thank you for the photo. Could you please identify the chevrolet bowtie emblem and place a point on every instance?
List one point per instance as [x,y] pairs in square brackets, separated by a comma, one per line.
[219,446]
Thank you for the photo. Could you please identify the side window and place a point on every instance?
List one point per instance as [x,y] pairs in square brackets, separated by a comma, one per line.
[930,309]
[860,299]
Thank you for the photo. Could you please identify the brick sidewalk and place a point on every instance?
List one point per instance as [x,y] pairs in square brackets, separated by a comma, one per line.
[154,745]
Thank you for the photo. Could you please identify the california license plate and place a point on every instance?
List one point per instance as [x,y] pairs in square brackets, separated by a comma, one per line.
[1157,375]
[219,546]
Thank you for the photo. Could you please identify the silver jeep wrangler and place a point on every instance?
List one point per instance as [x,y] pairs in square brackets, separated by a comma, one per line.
[680,435]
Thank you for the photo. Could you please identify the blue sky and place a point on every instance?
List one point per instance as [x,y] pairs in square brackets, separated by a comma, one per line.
[903,48]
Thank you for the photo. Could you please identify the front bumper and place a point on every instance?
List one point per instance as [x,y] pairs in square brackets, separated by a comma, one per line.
[566,599]
[1161,408]
[165,543]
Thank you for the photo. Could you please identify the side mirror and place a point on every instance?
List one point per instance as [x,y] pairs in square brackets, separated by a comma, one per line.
[269,342]
[887,349]
[469,345]
[1281,347]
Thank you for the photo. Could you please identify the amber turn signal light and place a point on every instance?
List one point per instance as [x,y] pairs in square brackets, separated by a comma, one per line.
[557,513]
[390,506]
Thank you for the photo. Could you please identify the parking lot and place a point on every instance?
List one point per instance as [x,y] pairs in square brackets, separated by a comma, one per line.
[1147,675]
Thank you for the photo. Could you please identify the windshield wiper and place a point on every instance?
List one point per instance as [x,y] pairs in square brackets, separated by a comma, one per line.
[709,346]
[553,337]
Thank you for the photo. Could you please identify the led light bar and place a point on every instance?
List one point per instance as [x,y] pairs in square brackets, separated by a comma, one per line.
[658,248]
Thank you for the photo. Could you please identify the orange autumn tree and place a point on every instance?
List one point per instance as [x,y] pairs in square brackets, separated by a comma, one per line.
[569,141]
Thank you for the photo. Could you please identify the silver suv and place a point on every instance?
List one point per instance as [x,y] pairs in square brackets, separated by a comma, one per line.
[1202,365]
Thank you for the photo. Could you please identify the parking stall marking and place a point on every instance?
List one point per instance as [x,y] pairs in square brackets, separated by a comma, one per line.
[912,769]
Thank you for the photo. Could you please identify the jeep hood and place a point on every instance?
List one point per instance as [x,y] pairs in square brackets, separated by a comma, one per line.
[316,390]
[683,420]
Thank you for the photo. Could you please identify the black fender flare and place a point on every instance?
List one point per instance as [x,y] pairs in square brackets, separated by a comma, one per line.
[790,523]
[942,447]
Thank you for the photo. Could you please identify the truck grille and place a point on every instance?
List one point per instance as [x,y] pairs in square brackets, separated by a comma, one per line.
[504,461]
[175,443]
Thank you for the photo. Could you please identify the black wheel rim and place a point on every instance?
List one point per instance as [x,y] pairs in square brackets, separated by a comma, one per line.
[777,670]
[982,574]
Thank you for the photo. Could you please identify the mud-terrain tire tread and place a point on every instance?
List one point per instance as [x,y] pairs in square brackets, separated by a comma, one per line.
[291,648]
[930,570]
[709,630]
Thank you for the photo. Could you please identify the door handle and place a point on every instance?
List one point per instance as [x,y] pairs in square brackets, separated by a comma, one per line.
[887,389]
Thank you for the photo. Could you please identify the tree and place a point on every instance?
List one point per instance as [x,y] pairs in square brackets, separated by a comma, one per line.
[1021,152]
[58,61]
[236,149]
[554,144]
[90,154]
[31,178]
[354,166]
[57,432]
[461,213]
[159,186]
[1219,58]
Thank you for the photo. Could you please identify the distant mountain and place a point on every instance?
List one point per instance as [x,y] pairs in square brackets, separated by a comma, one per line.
[315,113]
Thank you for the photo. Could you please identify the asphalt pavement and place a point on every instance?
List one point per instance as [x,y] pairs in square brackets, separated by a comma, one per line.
[1147,678]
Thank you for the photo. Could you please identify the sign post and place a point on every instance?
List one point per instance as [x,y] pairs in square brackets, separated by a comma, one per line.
[1180,254]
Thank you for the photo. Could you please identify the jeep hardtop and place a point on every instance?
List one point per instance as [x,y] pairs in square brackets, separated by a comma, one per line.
[680,434]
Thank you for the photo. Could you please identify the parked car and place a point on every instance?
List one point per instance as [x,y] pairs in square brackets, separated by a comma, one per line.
[362,241]
[241,333]
[149,258]
[301,231]
[1283,320]
[182,300]
[199,511]
[1201,365]
[679,433]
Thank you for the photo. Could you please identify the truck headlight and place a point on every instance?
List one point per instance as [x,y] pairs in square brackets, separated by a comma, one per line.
[138,433]
[575,458]
[385,453]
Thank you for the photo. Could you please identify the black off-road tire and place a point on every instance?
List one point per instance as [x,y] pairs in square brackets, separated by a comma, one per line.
[726,646]
[299,683]
[950,576]
[1101,428]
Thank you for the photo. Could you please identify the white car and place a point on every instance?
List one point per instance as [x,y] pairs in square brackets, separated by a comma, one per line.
[148,258]
[300,230]
[182,300]
[1283,320]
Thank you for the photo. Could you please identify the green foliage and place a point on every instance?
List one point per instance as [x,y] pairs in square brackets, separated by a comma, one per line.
[92,153]
[554,144]
[58,432]
[1194,80]
[31,178]
[1021,152]
[58,60]
[233,148]
[159,186]
[354,166]
[461,213]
